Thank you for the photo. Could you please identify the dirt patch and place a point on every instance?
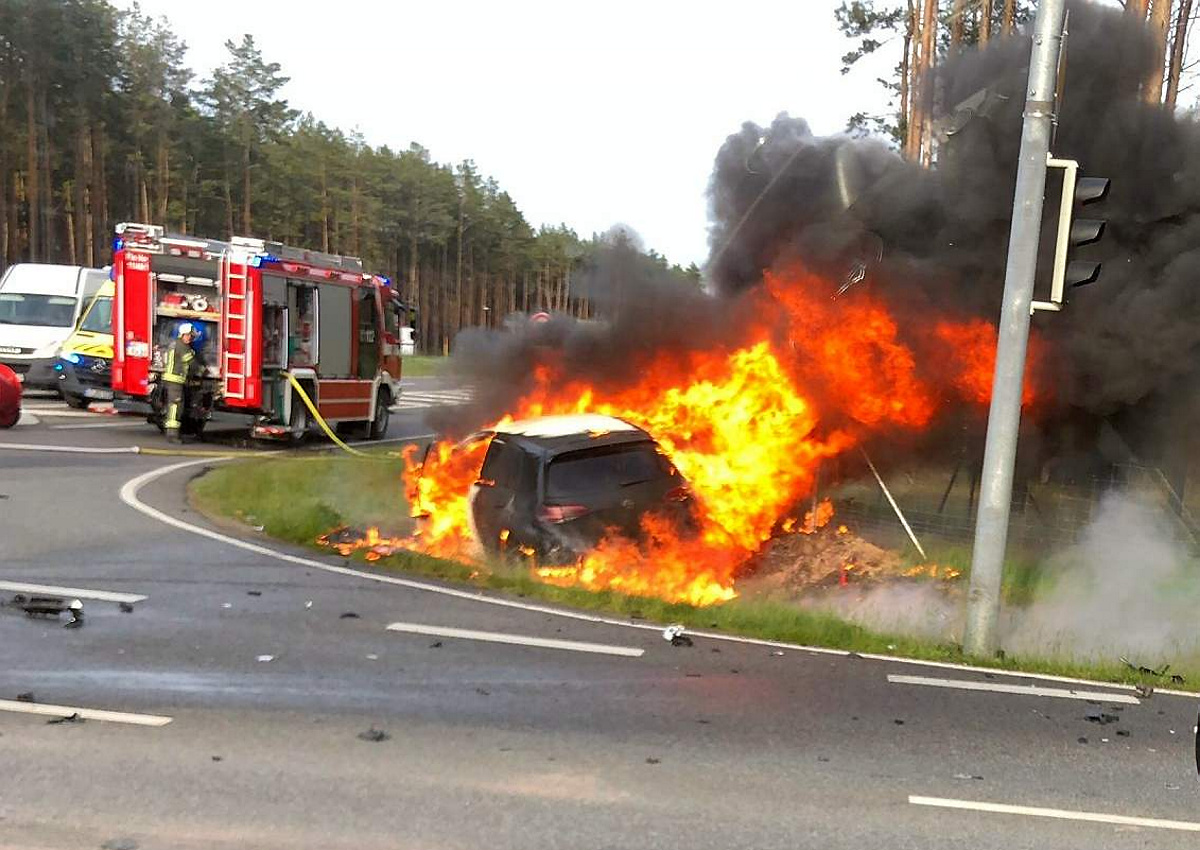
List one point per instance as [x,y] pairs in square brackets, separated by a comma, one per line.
[826,557]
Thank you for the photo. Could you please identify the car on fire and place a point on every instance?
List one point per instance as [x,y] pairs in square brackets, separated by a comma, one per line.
[554,486]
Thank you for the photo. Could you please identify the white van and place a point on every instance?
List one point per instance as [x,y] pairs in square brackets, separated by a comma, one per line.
[39,306]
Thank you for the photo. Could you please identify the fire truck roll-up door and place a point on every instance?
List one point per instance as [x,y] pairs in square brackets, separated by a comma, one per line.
[134,322]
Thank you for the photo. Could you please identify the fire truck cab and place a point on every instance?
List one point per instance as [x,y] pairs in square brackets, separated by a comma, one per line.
[263,311]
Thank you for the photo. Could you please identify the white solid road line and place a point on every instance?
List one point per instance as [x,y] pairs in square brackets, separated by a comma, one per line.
[1061,814]
[71,450]
[80,592]
[125,424]
[1023,690]
[45,709]
[129,495]
[521,640]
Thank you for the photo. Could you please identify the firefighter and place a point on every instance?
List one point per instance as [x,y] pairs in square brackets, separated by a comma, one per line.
[182,365]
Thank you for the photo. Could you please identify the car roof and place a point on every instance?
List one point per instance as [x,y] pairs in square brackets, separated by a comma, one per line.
[553,435]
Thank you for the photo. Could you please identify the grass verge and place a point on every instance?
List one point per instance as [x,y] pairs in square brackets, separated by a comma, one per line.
[298,499]
[423,365]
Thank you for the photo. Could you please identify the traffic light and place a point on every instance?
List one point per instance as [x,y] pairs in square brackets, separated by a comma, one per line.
[1073,232]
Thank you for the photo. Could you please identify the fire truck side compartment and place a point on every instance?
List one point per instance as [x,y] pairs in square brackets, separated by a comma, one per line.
[334,348]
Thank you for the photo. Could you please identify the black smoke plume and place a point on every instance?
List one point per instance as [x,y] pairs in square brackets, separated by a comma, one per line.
[1126,347]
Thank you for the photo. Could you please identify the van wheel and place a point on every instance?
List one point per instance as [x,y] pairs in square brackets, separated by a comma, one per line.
[383,416]
[77,402]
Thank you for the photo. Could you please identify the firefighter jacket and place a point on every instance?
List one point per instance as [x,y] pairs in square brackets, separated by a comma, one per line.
[182,363]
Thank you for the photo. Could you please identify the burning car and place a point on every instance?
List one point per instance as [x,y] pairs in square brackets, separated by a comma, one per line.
[554,486]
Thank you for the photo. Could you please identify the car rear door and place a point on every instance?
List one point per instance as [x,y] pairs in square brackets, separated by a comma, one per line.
[494,500]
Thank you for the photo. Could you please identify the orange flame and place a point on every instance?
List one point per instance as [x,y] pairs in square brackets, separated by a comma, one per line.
[746,425]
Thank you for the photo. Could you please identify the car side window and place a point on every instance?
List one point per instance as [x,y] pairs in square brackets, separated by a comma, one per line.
[502,466]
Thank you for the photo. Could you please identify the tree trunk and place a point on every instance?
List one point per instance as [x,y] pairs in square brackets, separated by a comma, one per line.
[1137,7]
[458,270]
[32,196]
[5,87]
[1160,27]
[985,22]
[79,228]
[228,204]
[929,42]
[1178,49]
[908,85]
[246,229]
[163,182]
[324,209]
[100,217]
[957,19]
[1008,21]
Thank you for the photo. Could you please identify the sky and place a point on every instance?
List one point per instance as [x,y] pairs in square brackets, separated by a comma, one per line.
[587,114]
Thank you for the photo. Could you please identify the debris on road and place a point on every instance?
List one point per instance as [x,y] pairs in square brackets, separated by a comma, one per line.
[26,697]
[265,658]
[216,758]
[1082,740]
[126,607]
[308,604]
[972,776]
[119,844]
[675,636]
[778,652]
[1095,715]
[371,656]
[374,735]
[254,593]
[1144,691]
[70,718]
[349,615]
[1122,733]
[483,692]
[653,760]
[437,644]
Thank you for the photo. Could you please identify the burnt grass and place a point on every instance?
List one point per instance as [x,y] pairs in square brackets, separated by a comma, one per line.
[298,499]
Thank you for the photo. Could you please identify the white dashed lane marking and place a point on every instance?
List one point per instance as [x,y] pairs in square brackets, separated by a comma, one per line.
[1060,814]
[1021,690]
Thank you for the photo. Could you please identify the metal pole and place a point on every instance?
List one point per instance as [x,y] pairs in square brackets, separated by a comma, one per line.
[1004,417]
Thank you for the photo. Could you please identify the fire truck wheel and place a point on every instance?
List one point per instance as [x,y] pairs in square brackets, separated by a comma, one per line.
[299,419]
[383,416]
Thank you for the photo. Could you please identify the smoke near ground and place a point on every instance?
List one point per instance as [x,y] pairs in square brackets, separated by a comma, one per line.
[1126,589]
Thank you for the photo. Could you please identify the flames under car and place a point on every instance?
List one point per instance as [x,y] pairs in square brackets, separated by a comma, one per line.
[554,486]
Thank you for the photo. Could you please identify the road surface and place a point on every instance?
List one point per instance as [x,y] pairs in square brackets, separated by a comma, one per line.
[245,684]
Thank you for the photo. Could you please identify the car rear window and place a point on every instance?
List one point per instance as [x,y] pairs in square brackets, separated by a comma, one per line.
[590,471]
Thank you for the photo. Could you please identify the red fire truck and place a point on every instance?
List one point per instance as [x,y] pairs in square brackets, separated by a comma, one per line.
[263,310]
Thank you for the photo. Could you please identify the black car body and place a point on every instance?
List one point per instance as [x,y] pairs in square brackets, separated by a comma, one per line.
[553,487]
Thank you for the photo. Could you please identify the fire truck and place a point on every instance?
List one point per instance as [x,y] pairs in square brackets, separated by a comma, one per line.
[263,311]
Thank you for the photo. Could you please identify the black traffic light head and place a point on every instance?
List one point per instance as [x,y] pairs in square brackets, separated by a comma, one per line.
[1085,231]
[1089,189]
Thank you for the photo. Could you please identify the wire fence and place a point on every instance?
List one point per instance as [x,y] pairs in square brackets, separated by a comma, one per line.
[941,506]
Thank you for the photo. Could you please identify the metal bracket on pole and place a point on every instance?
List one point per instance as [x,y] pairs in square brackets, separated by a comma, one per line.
[1062,241]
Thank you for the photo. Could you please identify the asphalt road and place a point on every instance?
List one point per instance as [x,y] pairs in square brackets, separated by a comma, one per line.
[718,745]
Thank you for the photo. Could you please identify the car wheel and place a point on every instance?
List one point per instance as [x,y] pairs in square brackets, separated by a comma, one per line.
[77,402]
[383,416]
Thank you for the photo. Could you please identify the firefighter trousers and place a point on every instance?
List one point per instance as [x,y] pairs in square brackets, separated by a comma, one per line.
[173,416]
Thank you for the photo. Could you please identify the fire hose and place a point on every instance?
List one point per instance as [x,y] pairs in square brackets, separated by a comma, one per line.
[320,420]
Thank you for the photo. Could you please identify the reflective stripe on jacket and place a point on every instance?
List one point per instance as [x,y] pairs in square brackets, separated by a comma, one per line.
[179,362]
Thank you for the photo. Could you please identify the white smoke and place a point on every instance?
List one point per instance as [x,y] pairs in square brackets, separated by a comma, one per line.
[1127,588]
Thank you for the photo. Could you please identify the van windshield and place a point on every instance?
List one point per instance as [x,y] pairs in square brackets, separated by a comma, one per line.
[99,317]
[22,308]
